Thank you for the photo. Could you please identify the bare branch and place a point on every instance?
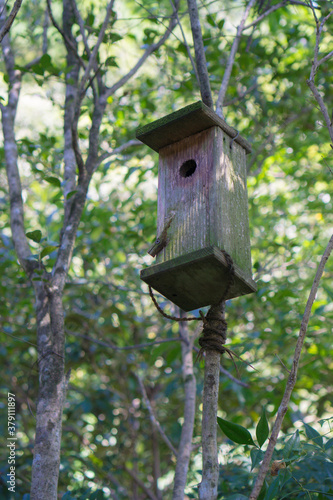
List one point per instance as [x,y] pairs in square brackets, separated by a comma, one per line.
[292,376]
[44,45]
[325,58]
[185,444]
[11,156]
[200,58]
[141,484]
[241,95]
[271,138]
[315,65]
[67,40]
[231,60]
[153,418]
[144,57]
[81,24]
[117,151]
[322,106]
[227,374]
[6,27]
[93,55]
[185,43]
[265,14]
[125,348]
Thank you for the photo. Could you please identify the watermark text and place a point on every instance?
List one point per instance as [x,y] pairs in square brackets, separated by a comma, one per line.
[11,442]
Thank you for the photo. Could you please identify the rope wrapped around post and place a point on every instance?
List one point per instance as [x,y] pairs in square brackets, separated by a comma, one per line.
[214,331]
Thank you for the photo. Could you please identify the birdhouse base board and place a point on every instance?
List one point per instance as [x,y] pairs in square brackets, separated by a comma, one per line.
[197,279]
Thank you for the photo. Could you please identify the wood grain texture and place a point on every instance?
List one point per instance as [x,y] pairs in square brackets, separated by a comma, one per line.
[184,123]
[211,205]
[202,184]
[196,279]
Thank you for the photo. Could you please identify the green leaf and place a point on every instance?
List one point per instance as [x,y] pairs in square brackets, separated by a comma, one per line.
[71,193]
[111,61]
[262,492]
[329,444]
[45,60]
[273,489]
[256,457]
[313,435]
[237,433]
[53,180]
[114,37]
[34,235]
[292,444]
[262,429]
[237,496]
[47,251]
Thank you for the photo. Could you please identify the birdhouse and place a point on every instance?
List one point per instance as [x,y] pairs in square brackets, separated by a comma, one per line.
[202,208]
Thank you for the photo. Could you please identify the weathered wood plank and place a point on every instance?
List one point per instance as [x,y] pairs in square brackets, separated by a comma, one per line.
[196,279]
[184,123]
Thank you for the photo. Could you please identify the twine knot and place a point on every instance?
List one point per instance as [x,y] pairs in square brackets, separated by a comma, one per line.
[214,331]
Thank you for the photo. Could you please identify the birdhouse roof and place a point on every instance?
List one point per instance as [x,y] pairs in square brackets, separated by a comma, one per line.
[183,123]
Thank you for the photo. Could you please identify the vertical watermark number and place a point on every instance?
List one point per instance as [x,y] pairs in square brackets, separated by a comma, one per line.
[11,442]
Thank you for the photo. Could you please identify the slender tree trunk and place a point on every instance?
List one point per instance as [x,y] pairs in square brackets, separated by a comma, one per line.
[185,445]
[210,465]
[156,462]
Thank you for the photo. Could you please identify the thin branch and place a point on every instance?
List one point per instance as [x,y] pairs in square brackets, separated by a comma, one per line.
[98,110]
[314,69]
[6,27]
[200,57]
[241,95]
[231,60]
[125,348]
[273,9]
[265,14]
[322,106]
[325,58]
[81,24]
[153,418]
[67,40]
[118,150]
[19,339]
[188,50]
[11,156]
[292,376]
[173,21]
[271,139]
[141,484]
[44,45]
[227,374]
[93,56]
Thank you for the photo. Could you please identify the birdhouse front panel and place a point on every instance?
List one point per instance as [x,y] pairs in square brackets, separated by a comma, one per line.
[202,188]
[202,208]
[185,170]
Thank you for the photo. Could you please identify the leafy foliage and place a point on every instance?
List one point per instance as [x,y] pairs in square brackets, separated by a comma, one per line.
[108,438]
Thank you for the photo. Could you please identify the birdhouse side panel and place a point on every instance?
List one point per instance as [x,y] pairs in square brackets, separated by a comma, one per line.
[185,178]
[229,220]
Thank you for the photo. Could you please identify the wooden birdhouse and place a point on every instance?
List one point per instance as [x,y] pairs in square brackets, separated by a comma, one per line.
[202,208]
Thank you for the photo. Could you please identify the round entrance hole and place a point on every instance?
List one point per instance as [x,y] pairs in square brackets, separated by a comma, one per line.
[188,168]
